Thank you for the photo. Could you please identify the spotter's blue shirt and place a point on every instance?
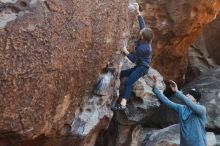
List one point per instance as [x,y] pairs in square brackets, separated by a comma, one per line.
[143,51]
[192,118]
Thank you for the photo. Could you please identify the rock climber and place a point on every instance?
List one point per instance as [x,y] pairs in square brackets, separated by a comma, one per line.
[192,115]
[141,57]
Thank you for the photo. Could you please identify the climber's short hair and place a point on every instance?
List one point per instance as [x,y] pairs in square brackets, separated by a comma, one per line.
[147,34]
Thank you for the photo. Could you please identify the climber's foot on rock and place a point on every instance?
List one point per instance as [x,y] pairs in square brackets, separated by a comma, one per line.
[118,107]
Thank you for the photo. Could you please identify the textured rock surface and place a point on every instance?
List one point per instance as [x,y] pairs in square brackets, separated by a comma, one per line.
[211,36]
[51,55]
[162,117]
[199,61]
[94,113]
[176,26]
[53,51]
[204,53]
[170,137]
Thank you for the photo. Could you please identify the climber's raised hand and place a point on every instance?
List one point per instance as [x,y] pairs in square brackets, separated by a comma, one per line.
[154,78]
[125,51]
[137,8]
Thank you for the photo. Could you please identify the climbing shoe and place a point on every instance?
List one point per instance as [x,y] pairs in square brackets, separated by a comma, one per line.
[118,107]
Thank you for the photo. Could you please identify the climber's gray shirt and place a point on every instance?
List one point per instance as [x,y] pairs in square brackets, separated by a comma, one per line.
[192,118]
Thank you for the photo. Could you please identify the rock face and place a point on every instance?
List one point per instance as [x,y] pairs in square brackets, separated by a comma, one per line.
[176,26]
[211,36]
[170,137]
[51,55]
[204,53]
[199,61]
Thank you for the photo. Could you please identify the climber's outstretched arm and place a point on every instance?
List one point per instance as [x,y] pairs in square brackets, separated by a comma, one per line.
[140,18]
[141,22]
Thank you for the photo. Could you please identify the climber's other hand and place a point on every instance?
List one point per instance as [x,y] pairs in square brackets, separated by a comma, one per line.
[125,51]
[154,78]
[137,8]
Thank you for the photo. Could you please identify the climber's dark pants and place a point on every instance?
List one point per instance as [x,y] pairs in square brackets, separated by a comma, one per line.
[132,74]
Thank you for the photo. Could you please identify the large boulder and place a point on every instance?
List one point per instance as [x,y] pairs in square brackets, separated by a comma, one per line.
[52,53]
